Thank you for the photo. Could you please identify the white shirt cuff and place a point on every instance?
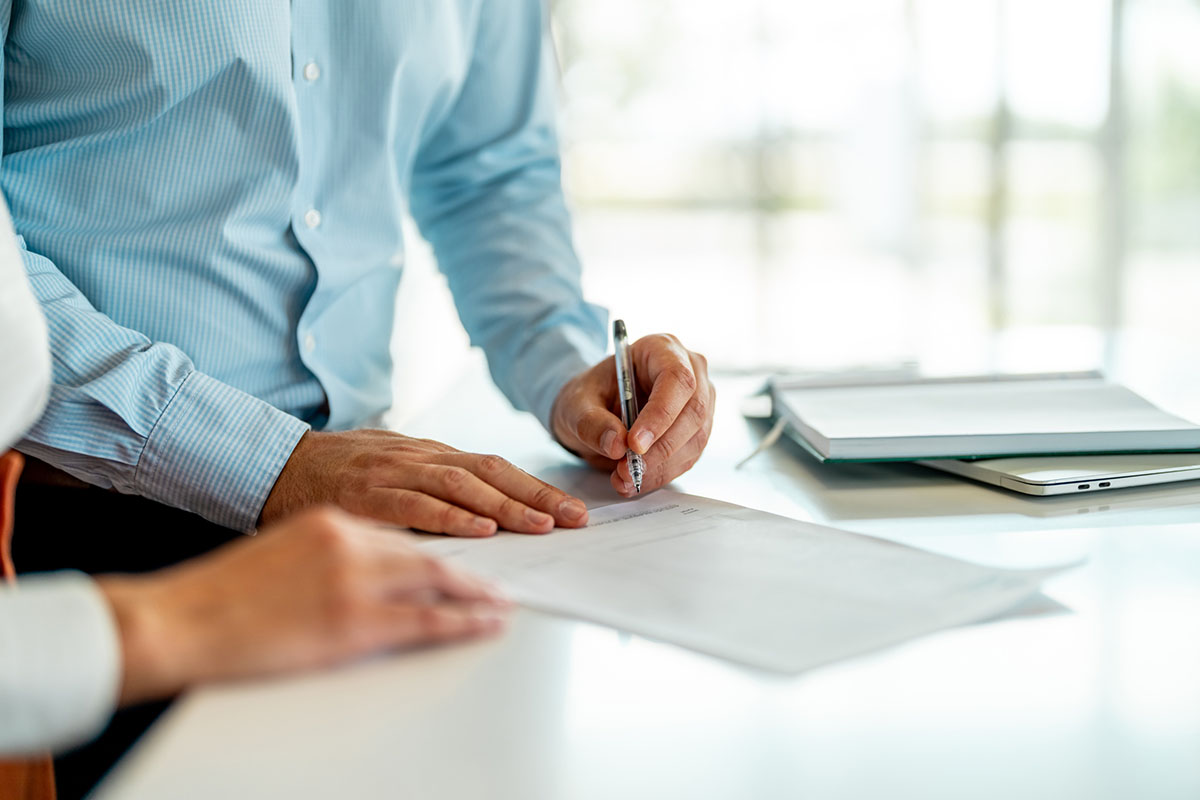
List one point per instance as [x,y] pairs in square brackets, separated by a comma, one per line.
[60,663]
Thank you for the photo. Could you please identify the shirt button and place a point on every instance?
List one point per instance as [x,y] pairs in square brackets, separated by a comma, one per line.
[312,218]
[311,71]
[310,343]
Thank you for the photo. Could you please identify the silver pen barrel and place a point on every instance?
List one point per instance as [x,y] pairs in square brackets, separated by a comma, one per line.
[627,389]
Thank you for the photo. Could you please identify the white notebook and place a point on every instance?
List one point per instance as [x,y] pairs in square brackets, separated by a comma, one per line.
[991,416]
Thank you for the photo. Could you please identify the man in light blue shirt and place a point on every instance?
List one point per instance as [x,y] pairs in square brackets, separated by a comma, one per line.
[210,197]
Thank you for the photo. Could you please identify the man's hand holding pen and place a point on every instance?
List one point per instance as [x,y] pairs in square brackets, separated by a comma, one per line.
[677,402]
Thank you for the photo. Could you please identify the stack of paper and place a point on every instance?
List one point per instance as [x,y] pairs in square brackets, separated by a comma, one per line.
[745,585]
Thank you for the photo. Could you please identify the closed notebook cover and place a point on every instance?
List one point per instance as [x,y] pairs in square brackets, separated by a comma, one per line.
[991,416]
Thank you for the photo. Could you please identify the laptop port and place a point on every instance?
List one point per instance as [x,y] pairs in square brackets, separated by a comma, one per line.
[1105,485]
[1085,486]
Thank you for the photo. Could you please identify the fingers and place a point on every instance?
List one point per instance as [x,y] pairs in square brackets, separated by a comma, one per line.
[399,569]
[662,363]
[662,472]
[425,599]
[693,418]
[471,495]
[400,625]
[677,449]
[460,486]
[424,512]
[520,490]
[388,593]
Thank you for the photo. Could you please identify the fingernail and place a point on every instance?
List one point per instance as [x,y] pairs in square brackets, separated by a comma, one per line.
[488,616]
[627,487]
[644,440]
[484,525]
[572,509]
[607,442]
[537,517]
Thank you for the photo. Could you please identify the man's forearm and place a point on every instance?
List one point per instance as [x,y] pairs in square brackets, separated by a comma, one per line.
[135,415]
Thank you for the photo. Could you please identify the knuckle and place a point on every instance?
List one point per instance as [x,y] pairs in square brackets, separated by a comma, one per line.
[431,620]
[454,477]
[448,517]
[684,377]
[593,418]
[408,506]
[511,509]
[664,338]
[544,496]
[323,518]
[493,465]
[327,529]
[662,474]
[666,448]
[701,359]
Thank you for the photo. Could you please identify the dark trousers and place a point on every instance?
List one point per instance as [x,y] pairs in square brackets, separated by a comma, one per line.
[98,532]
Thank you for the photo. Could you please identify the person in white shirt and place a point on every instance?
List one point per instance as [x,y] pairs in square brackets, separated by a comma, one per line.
[318,588]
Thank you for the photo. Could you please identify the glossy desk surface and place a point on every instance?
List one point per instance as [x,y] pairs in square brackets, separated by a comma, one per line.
[1099,702]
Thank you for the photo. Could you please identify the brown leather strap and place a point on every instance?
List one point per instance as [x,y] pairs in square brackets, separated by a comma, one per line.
[29,779]
[10,473]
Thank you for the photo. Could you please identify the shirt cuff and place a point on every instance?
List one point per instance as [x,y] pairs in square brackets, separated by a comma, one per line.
[217,451]
[60,663]
[555,356]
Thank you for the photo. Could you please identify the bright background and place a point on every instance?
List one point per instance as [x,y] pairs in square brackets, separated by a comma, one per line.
[793,184]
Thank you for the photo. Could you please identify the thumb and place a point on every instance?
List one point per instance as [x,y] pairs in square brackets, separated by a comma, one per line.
[600,431]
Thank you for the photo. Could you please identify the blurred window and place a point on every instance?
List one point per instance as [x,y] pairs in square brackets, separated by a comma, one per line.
[797,183]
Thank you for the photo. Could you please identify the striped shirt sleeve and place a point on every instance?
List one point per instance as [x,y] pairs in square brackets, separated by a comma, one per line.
[487,193]
[134,415]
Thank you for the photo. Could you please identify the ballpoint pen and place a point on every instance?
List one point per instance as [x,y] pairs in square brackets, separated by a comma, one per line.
[627,388]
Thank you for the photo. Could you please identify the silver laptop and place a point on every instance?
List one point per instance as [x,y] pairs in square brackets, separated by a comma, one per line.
[1046,475]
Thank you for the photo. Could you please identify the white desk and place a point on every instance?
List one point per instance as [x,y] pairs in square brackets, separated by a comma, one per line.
[1100,703]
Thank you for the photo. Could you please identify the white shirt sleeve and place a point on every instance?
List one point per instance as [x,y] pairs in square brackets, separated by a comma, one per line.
[60,663]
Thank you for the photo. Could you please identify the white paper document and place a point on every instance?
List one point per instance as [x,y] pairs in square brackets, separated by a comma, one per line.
[741,584]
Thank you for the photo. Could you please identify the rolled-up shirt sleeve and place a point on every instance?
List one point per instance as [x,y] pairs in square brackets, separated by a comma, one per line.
[60,663]
[487,193]
[134,415]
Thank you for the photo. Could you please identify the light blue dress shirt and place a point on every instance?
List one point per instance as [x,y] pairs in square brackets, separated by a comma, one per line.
[210,195]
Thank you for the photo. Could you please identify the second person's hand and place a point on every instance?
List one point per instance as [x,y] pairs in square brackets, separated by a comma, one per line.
[318,589]
[418,483]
